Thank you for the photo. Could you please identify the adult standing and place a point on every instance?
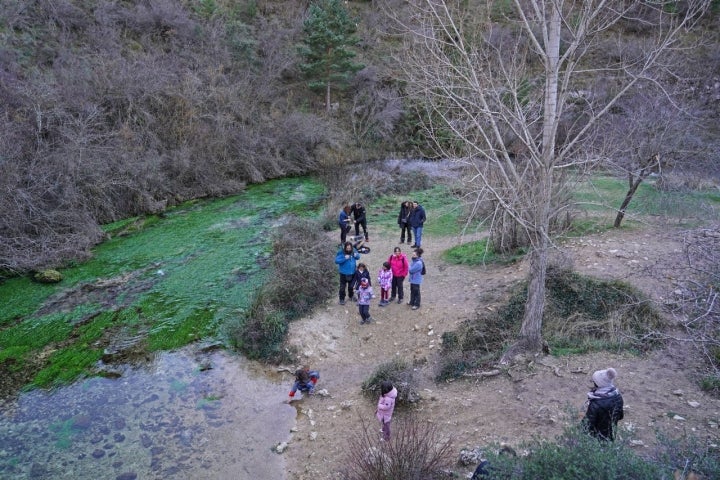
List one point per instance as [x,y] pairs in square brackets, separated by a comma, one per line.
[399,265]
[405,209]
[358,213]
[416,221]
[604,406]
[344,223]
[346,260]
[416,278]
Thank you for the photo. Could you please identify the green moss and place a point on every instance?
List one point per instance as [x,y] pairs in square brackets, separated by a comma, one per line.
[66,365]
[175,278]
[478,253]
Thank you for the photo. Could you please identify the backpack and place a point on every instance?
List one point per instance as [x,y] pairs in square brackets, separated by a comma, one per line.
[423,272]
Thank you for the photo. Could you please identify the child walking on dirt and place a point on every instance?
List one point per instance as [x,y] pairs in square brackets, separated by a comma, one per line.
[385,407]
[305,380]
[364,294]
[385,278]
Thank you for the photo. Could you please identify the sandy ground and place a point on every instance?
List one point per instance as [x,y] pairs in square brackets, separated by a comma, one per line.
[660,389]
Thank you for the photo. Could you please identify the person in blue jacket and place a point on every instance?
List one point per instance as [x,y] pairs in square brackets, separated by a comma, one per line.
[346,260]
[416,219]
[344,222]
[416,278]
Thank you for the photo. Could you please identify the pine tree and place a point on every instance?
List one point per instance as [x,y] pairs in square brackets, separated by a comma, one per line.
[327,47]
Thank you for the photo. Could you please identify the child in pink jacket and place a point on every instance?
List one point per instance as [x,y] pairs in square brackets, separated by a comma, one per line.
[385,277]
[385,407]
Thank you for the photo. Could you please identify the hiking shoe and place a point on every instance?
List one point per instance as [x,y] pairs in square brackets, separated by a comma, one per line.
[392,299]
[415,307]
[382,304]
[409,242]
[413,245]
[399,300]
[342,302]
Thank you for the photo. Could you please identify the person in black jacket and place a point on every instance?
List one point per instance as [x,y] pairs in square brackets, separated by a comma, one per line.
[405,209]
[604,406]
[358,213]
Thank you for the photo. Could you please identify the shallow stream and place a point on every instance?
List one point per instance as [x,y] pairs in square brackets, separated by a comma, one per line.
[185,415]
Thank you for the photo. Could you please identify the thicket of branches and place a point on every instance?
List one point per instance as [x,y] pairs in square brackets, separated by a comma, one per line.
[111,109]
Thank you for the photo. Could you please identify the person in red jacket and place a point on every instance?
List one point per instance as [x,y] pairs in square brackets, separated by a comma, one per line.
[399,265]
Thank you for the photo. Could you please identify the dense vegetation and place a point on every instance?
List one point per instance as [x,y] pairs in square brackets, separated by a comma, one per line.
[114,109]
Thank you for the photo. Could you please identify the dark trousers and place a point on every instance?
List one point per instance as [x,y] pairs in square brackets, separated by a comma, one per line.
[397,287]
[386,430]
[364,312]
[404,227]
[346,282]
[362,223]
[344,230]
[415,294]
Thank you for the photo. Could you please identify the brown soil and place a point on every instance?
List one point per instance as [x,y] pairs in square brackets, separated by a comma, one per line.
[529,400]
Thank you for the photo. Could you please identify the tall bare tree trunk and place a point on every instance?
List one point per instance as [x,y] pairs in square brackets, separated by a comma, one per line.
[530,339]
[327,98]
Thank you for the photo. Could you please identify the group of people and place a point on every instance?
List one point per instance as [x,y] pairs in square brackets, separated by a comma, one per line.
[356,282]
[306,380]
[604,406]
[353,214]
[411,220]
[604,403]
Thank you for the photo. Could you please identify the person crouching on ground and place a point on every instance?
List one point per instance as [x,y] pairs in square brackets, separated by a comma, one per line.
[305,381]
[364,295]
[385,407]
[604,406]
[346,260]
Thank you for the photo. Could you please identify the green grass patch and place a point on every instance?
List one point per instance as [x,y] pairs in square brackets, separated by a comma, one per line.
[479,252]
[444,211]
[603,195]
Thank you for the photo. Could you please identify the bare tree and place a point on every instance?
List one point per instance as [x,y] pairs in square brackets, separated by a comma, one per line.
[514,93]
[647,133]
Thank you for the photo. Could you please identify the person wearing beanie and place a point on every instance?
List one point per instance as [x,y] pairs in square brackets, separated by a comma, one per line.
[364,295]
[604,406]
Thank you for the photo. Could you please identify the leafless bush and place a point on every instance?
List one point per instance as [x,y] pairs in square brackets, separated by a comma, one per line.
[416,451]
[697,302]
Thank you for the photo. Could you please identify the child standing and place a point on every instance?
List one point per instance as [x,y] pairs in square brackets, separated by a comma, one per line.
[360,273]
[385,277]
[364,295]
[385,407]
[305,380]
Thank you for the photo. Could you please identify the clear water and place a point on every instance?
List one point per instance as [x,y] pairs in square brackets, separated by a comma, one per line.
[184,415]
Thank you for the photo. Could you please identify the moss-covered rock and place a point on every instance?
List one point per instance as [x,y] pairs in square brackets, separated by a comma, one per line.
[48,276]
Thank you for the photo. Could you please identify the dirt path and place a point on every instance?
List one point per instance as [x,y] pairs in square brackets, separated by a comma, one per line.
[660,389]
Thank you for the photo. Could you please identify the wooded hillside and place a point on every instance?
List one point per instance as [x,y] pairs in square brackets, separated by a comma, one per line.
[113,109]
